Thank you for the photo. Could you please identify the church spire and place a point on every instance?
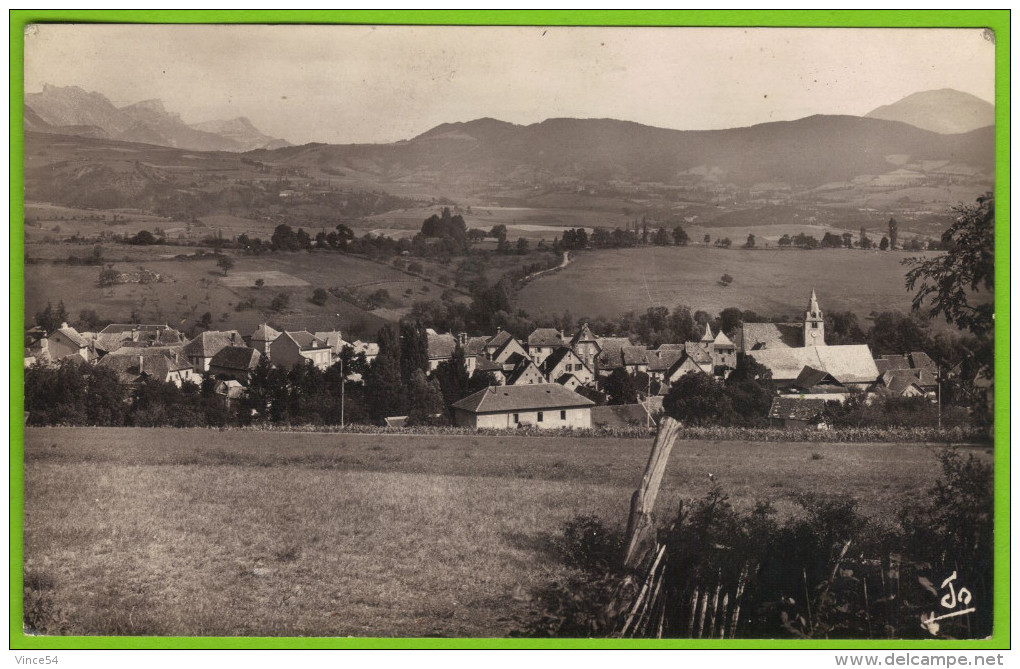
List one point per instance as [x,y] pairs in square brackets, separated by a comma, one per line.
[813,306]
[814,323]
[707,337]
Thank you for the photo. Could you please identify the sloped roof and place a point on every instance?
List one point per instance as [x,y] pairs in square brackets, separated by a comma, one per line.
[795,408]
[583,334]
[670,347]
[73,335]
[696,352]
[507,343]
[688,362]
[499,339]
[522,368]
[556,357]
[545,337]
[208,343]
[611,355]
[229,388]
[306,341]
[756,336]
[135,349]
[846,364]
[155,366]
[497,399]
[264,333]
[565,377]
[897,380]
[634,355]
[810,377]
[333,340]
[722,341]
[395,421]
[131,327]
[236,357]
[441,346]
[475,345]
[921,360]
[707,337]
[661,359]
[367,347]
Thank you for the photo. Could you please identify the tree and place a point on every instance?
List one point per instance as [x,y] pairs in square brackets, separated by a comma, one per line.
[945,284]
[108,277]
[522,245]
[259,283]
[206,321]
[785,241]
[226,263]
[280,302]
[751,390]
[726,279]
[708,239]
[144,238]
[414,349]
[893,231]
[661,237]
[848,240]
[320,296]
[697,399]
[884,244]
[749,244]
[620,387]
[384,390]
[896,333]
[49,319]
[453,377]
[680,237]
[499,232]
[424,400]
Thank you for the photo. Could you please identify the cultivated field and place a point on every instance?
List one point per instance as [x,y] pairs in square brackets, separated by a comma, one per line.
[199,532]
[192,287]
[768,281]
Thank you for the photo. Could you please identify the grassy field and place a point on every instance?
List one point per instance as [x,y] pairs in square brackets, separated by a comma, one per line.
[768,281]
[197,532]
[191,288]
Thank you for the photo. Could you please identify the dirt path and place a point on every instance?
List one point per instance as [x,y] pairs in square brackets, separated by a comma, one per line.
[563,263]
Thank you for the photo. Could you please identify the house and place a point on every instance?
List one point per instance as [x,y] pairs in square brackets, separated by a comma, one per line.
[115,335]
[634,358]
[724,352]
[234,362]
[161,366]
[687,364]
[200,350]
[440,348]
[586,346]
[542,342]
[299,348]
[915,360]
[909,383]
[65,342]
[700,355]
[508,354]
[262,338]
[334,341]
[610,356]
[795,413]
[525,372]
[565,361]
[482,365]
[568,381]
[547,406]
[662,360]
[498,341]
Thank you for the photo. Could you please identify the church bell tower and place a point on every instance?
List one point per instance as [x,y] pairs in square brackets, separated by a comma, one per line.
[814,324]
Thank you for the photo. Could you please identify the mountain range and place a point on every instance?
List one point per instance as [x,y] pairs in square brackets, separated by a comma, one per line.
[70,110]
[945,111]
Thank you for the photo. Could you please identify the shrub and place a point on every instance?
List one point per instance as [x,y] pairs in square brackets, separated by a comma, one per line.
[280,302]
[319,296]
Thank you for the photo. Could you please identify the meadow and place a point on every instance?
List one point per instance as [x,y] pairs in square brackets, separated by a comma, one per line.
[201,532]
[767,281]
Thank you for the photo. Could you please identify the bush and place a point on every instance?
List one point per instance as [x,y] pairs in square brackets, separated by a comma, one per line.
[280,302]
[319,296]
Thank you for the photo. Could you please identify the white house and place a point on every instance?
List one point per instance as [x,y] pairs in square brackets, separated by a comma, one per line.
[547,406]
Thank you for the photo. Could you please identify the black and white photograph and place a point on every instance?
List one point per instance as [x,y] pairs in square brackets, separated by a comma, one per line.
[509,332]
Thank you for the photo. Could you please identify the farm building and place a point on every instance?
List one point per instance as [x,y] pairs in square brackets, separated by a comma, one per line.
[301,347]
[547,406]
[796,413]
[852,366]
[65,342]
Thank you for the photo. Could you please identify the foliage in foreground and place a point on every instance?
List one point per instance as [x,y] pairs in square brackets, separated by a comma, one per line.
[828,572]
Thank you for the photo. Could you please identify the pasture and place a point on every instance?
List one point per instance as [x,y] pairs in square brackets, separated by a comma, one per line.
[200,532]
[767,281]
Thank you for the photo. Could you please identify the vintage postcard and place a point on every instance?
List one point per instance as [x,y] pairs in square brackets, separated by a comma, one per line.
[509,332]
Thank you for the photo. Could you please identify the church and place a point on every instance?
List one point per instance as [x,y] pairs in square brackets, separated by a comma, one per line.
[800,360]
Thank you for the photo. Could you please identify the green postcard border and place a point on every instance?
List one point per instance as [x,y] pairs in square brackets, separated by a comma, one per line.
[997,20]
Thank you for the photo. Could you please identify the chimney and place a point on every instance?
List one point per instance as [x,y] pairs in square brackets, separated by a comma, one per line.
[462,338]
[141,364]
[63,325]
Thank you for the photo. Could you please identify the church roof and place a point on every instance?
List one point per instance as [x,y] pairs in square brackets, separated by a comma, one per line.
[846,364]
[756,336]
[722,341]
[708,333]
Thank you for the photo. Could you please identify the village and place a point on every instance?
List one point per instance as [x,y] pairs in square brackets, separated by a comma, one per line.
[550,380]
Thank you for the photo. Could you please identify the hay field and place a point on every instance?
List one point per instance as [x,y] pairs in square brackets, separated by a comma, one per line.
[202,532]
[768,281]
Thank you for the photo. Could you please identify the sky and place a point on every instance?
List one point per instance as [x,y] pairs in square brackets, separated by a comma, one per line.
[354,84]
